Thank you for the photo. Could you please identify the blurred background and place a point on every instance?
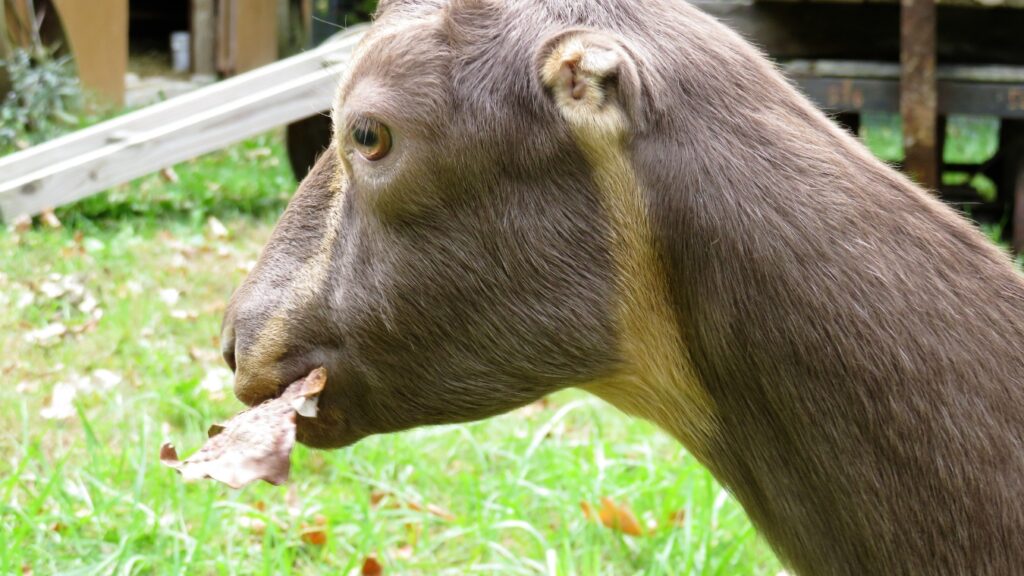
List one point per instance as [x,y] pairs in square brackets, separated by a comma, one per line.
[146,150]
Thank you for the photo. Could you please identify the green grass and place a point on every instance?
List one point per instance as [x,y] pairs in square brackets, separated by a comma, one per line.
[87,494]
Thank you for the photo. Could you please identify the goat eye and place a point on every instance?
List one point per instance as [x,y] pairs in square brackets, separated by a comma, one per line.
[371,138]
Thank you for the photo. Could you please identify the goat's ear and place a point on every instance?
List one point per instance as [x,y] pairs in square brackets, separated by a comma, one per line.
[590,73]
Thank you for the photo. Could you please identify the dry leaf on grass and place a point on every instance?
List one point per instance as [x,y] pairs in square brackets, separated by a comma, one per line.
[371,567]
[169,296]
[47,335]
[315,533]
[216,228]
[61,405]
[21,224]
[614,516]
[49,219]
[256,444]
[254,525]
[169,175]
[377,497]
[677,518]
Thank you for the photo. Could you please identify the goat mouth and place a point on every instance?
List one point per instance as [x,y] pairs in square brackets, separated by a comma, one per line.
[256,443]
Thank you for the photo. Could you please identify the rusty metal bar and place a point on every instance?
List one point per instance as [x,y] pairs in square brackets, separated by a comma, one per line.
[918,92]
[1018,208]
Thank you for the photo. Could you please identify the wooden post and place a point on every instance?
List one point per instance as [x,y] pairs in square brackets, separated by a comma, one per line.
[918,94]
[98,34]
[1018,209]
[248,35]
[204,37]
[19,18]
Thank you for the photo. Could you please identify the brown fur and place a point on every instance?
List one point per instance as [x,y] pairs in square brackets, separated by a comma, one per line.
[838,347]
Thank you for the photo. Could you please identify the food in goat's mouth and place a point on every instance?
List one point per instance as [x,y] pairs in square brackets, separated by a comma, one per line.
[255,444]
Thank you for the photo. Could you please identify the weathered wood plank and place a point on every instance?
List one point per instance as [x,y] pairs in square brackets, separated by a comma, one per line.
[839,95]
[179,133]
[891,70]
[963,3]
[870,31]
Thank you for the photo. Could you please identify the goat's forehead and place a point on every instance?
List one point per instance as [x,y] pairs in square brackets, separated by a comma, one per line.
[405,59]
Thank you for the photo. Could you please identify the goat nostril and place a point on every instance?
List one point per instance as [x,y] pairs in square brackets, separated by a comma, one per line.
[227,347]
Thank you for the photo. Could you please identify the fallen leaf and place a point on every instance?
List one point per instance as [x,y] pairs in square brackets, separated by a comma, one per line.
[88,304]
[49,219]
[619,518]
[613,516]
[184,314]
[105,380]
[432,509]
[378,496]
[313,536]
[24,300]
[371,567]
[169,175]
[52,290]
[61,406]
[315,533]
[255,444]
[47,335]
[216,228]
[254,525]
[677,518]
[169,296]
[21,224]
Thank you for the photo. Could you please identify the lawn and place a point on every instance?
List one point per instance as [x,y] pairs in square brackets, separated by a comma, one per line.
[108,327]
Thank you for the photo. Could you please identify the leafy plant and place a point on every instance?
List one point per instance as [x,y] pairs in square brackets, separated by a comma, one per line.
[44,100]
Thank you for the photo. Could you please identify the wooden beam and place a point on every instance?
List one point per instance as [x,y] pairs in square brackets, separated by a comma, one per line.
[918,91]
[82,164]
[98,34]
[255,34]
[870,31]
[204,37]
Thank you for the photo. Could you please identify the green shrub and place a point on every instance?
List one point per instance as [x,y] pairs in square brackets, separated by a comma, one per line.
[44,100]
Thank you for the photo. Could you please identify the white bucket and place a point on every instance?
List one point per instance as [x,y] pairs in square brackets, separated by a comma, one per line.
[181,50]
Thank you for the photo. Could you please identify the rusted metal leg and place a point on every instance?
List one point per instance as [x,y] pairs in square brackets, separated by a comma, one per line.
[918,94]
[1018,209]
